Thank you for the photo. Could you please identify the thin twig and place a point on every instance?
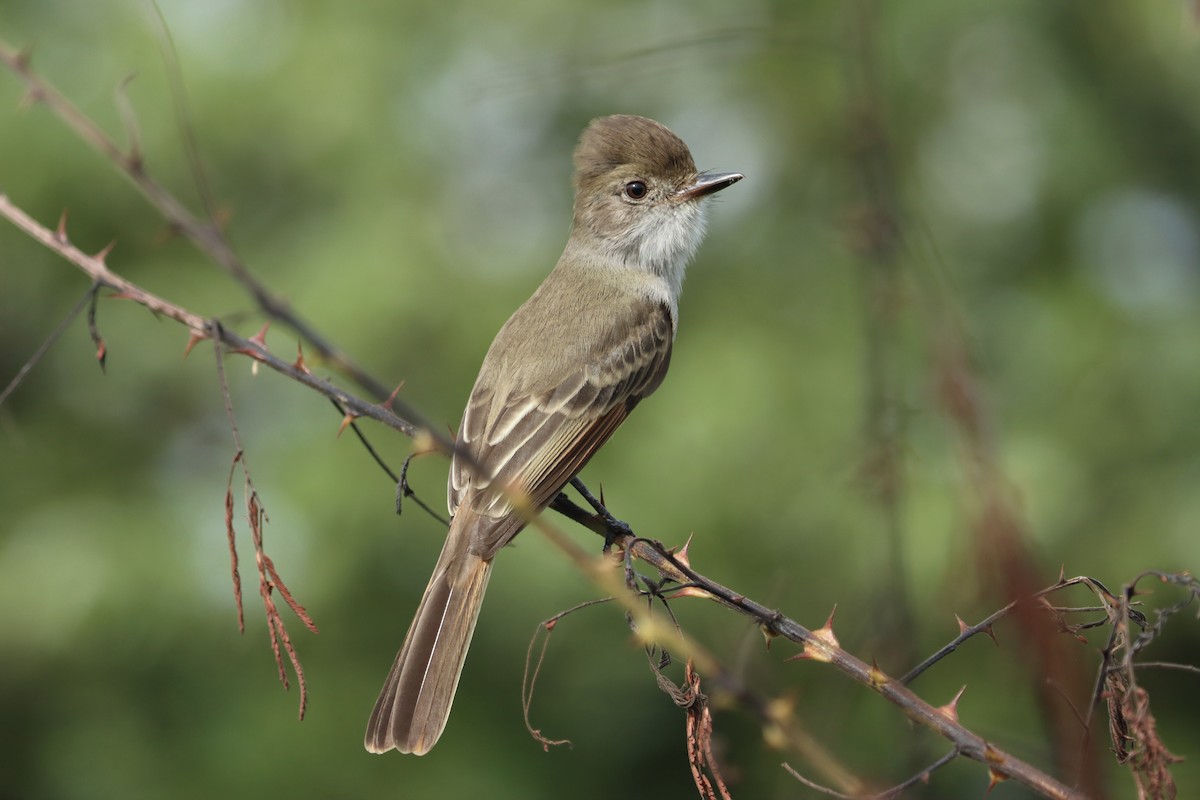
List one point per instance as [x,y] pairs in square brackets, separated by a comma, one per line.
[49,342]
[532,670]
[1167,665]
[985,626]
[183,117]
[403,489]
[887,794]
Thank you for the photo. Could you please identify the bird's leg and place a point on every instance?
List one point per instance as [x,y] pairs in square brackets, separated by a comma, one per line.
[403,490]
[613,527]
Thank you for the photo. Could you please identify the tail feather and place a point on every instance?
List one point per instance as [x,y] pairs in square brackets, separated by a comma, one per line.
[412,709]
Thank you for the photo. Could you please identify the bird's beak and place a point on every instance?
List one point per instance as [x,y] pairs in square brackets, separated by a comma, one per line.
[708,182]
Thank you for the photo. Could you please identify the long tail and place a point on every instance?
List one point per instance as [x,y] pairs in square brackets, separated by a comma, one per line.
[415,702]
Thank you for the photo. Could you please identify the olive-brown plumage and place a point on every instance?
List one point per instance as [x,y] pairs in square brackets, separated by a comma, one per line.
[560,376]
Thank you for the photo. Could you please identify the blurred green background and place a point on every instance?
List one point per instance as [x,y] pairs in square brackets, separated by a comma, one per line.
[400,172]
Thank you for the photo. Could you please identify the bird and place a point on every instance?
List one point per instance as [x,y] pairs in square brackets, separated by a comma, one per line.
[561,375]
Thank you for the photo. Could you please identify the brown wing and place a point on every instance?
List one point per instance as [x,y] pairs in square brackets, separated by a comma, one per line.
[538,441]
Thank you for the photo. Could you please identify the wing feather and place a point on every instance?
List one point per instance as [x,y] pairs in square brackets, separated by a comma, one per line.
[539,440]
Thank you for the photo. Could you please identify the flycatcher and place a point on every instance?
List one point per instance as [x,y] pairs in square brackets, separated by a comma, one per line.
[560,376]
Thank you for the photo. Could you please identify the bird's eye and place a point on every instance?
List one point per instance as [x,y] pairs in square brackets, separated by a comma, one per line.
[635,190]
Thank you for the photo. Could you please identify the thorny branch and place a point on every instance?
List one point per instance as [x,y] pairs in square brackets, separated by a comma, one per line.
[223,339]
[202,328]
[206,234]
[820,645]
[1134,735]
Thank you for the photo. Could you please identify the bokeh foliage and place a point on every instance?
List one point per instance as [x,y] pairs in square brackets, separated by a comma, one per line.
[400,173]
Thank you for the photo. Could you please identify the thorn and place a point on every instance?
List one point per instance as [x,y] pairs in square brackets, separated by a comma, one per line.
[823,644]
[994,779]
[103,253]
[1062,573]
[950,710]
[101,353]
[825,632]
[392,396]
[876,676]
[346,420]
[260,338]
[828,626]
[991,635]
[602,496]
[769,636]
[194,338]
[696,591]
[60,233]
[962,626]
[681,555]
[299,363]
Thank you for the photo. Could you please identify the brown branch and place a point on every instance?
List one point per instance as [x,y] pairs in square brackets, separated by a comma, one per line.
[210,238]
[818,646]
[202,328]
[205,234]
[968,631]
[426,438]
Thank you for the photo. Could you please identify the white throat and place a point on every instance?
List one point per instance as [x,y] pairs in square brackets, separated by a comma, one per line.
[659,244]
